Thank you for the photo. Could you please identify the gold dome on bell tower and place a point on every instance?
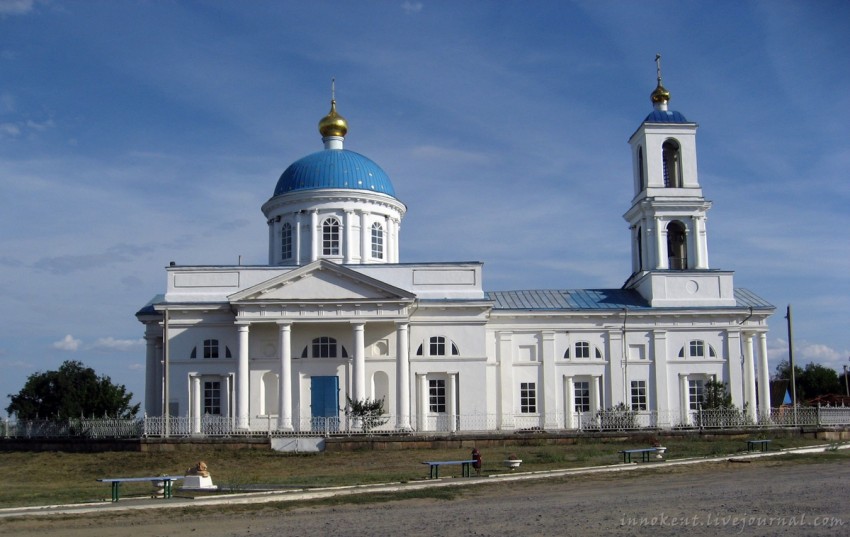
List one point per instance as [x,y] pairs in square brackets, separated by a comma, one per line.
[659,96]
[333,124]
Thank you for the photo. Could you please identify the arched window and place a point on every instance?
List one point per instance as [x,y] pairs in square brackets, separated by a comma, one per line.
[582,350]
[677,247]
[672,161]
[437,347]
[330,237]
[641,178]
[286,241]
[697,348]
[377,241]
[324,347]
[213,350]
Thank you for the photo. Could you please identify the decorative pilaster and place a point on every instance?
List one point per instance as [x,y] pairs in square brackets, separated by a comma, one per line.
[764,379]
[569,403]
[197,406]
[402,376]
[749,377]
[242,381]
[285,380]
[359,362]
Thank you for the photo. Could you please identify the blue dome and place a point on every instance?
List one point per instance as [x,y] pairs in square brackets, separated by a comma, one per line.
[665,116]
[334,168]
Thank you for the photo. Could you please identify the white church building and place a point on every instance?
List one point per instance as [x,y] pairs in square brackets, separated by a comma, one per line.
[336,315]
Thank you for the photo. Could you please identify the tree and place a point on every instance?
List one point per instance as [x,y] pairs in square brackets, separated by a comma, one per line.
[71,392]
[812,381]
[819,380]
[368,412]
[715,395]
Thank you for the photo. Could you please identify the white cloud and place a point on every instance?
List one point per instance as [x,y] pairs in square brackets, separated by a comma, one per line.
[411,7]
[68,344]
[10,129]
[444,154]
[112,344]
[16,7]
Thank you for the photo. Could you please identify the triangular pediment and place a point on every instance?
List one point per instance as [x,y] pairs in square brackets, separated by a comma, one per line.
[321,280]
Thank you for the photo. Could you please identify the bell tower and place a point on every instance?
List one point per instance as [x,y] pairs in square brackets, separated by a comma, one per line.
[667,219]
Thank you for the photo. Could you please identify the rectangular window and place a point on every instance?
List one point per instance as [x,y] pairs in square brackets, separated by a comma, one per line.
[377,241]
[438,346]
[528,397]
[582,349]
[697,349]
[212,398]
[330,237]
[582,402]
[210,348]
[639,395]
[696,390]
[437,396]
[324,347]
[286,241]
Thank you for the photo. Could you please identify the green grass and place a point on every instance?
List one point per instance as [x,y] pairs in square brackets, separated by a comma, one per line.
[56,477]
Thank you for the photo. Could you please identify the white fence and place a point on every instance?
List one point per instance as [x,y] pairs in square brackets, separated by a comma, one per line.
[605,420]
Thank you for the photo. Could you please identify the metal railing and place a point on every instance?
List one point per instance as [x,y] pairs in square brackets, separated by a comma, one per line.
[603,420]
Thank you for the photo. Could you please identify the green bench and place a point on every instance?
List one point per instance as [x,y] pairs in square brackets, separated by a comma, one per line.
[434,467]
[757,445]
[166,480]
[644,454]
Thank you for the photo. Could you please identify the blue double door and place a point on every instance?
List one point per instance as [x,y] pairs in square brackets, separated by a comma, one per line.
[324,402]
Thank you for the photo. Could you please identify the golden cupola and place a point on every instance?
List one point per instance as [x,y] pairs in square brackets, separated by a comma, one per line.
[333,124]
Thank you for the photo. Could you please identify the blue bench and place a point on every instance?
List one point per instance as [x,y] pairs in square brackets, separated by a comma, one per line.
[166,481]
[644,454]
[761,444]
[434,467]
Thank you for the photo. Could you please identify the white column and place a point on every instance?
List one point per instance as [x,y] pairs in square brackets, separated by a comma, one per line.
[389,243]
[284,399]
[735,366]
[506,388]
[396,225]
[549,394]
[298,238]
[699,243]
[348,237]
[595,395]
[661,245]
[452,402]
[424,409]
[151,377]
[365,239]
[226,405]
[684,399]
[196,404]
[402,377]
[159,378]
[764,379]
[569,403]
[242,382]
[359,362]
[749,377]
[315,236]
[659,366]
[272,256]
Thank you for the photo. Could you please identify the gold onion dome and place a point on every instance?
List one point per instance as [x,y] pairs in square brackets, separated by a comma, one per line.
[333,124]
[660,94]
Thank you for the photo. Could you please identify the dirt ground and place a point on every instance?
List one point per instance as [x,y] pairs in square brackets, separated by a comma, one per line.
[760,498]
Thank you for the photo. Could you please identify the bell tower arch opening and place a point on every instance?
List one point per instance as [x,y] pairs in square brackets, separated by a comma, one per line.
[677,246]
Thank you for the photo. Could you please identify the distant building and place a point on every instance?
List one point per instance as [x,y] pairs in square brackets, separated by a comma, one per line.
[335,314]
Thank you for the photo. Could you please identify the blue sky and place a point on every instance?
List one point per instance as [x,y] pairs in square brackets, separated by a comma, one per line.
[134,133]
